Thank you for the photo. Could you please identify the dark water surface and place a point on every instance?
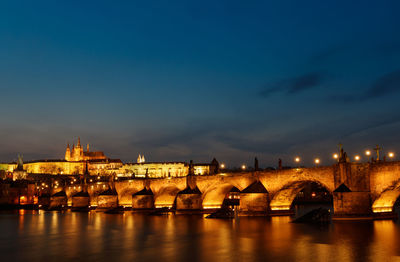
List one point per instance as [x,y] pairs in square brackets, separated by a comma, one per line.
[52,236]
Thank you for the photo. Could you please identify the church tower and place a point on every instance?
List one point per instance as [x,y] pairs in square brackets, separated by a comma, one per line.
[68,153]
[77,152]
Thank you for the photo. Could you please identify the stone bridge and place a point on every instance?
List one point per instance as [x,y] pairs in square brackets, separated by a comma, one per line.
[358,189]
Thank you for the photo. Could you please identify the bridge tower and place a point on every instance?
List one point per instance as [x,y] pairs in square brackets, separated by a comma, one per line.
[352,196]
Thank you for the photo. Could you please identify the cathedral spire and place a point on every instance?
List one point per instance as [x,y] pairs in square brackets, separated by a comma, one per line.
[68,153]
[79,142]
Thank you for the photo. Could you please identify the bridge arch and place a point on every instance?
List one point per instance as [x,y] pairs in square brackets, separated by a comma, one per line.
[387,199]
[125,189]
[166,196]
[215,194]
[283,198]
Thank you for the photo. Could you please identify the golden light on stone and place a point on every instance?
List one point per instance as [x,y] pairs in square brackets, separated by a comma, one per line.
[357,158]
[211,206]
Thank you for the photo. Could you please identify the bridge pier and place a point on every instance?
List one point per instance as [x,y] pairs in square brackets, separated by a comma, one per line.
[254,200]
[351,204]
[143,200]
[190,198]
[59,200]
[189,202]
[352,197]
[81,200]
[107,200]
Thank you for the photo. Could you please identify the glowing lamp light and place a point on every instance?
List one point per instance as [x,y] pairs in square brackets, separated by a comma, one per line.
[222,165]
[357,158]
[368,153]
[335,156]
[297,159]
[243,167]
[391,154]
[313,194]
[317,161]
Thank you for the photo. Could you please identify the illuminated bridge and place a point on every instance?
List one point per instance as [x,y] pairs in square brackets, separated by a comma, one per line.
[357,189]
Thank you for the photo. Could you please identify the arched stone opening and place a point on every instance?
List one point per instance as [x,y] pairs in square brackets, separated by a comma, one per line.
[166,196]
[214,197]
[232,198]
[301,192]
[386,201]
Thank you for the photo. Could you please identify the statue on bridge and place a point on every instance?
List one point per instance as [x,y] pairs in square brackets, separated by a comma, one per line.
[342,155]
[191,168]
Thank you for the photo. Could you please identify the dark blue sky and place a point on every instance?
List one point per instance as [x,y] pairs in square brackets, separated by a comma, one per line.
[181,80]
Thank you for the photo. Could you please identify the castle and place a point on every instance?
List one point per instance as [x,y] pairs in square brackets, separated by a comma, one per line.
[77,153]
[76,161]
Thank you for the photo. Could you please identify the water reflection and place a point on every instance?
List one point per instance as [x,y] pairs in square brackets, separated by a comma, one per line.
[40,236]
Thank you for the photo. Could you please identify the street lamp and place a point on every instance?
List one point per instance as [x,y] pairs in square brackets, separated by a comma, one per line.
[222,166]
[243,167]
[335,156]
[357,157]
[391,154]
[368,153]
[297,159]
[317,161]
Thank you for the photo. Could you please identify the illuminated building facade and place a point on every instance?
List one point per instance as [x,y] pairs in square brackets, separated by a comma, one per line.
[165,169]
[98,163]
[76,153]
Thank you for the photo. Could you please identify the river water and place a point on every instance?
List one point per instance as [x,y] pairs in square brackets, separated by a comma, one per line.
[54,236]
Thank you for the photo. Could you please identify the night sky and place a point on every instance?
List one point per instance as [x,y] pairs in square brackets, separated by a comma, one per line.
[181,80]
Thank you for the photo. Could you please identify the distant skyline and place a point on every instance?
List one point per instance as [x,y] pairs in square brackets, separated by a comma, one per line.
[179,80]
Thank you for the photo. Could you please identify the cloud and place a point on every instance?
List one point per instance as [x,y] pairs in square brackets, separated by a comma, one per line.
[385,85]
[327,54]
[294,85]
